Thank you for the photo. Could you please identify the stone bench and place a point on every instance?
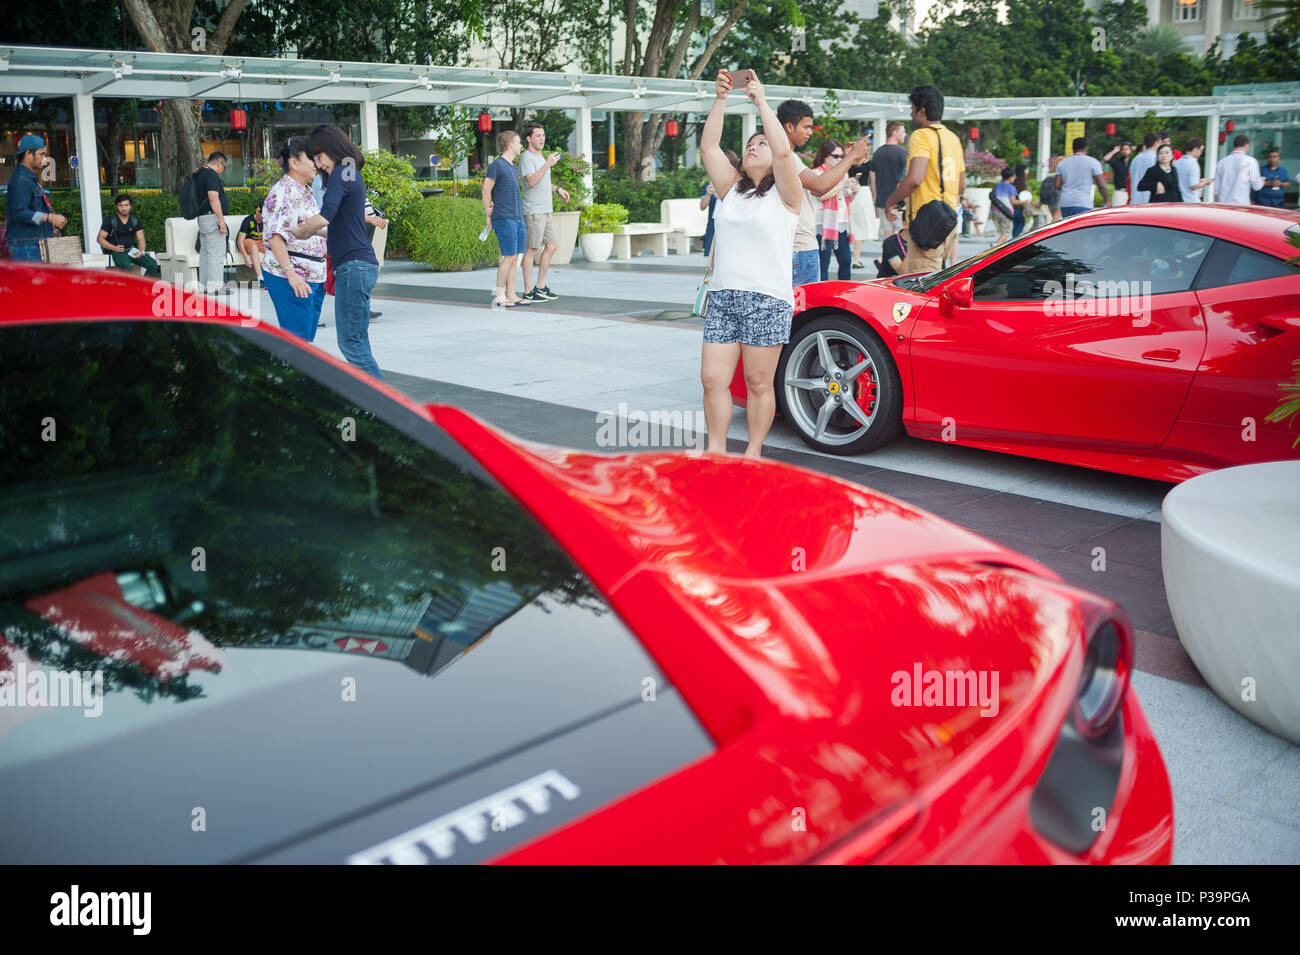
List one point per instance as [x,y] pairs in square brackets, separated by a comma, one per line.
[1232,577]
[641,237]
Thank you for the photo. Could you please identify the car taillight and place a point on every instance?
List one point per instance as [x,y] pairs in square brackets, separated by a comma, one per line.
[1107,664]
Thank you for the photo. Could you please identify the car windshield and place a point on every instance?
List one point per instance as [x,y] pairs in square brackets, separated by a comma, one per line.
[179,498]
[925,283]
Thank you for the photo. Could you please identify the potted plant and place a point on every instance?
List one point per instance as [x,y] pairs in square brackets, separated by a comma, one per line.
[570,173]
[596,229]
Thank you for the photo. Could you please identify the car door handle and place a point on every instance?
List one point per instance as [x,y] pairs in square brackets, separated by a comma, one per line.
[1162,354]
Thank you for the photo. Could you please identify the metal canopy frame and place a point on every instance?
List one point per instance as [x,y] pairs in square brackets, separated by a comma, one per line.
[84,75]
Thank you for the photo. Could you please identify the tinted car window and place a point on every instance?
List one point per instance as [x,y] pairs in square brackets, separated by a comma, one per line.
[1232,264]
[1095,260]
[174,496]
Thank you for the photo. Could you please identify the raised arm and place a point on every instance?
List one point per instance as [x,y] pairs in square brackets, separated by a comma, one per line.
[722,174]
[821,184]
[785,168]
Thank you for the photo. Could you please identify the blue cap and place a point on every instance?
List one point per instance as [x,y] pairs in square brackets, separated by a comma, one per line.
[31,141]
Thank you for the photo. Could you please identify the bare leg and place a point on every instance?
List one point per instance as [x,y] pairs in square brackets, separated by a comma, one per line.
[717,365]
[760,407]
[528,270]
[512,266]
[503,274]
[545,263]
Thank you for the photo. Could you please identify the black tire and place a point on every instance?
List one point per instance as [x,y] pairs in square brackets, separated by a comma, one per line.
[849,342]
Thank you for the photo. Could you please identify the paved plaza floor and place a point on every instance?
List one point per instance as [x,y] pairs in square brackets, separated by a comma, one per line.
[619,339]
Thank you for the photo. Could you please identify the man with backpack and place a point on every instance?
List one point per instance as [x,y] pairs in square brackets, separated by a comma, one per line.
[212,207]
[936,178]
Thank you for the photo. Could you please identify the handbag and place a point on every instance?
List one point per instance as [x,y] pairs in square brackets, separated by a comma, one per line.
[935,221]
[700,309]
[61,250]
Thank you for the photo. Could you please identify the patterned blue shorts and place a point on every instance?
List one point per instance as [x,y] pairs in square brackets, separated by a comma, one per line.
[751,318]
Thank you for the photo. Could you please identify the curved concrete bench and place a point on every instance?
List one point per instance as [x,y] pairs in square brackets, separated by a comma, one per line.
[1230,549]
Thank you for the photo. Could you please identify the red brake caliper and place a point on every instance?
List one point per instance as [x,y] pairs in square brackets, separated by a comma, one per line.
[866,396]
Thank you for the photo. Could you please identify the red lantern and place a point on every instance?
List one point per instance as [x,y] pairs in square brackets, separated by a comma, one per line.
[1110,129]
[1223,137]
[671,129]
[485,122]
[975,134]
[1026,152]
[238,119]
[1229,125]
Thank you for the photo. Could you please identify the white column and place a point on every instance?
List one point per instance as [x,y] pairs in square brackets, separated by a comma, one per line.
[878,132]
[584,145]
[1044,145]
[92,209]
[748,126]
[1211,148]
[692,144]
[1213,21]
[369,124]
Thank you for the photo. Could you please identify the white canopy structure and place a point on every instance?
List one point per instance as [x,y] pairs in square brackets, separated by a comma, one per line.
[83,75]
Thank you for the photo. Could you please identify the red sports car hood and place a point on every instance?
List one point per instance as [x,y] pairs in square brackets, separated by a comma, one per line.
[814,626]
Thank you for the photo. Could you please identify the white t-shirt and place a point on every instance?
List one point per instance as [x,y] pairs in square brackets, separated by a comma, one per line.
[1076,174]
[537,199]
[753,240]
[1234,177]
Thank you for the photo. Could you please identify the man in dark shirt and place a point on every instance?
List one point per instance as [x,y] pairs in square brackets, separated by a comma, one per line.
[887,168]
[28,213]
[213,231]
[503,204]
[1117,159]
[122,236]
[251,244]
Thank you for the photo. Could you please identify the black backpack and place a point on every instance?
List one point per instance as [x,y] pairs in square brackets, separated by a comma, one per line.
[188,195]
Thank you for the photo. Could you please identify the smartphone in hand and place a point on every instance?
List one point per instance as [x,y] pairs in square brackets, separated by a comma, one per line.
[740,78]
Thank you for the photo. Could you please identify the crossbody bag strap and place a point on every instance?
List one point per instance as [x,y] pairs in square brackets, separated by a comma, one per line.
[940,138]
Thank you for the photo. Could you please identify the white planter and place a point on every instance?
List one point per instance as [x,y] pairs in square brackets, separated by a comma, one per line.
[1232,578]
[979,198]
[596,246]
[566,236]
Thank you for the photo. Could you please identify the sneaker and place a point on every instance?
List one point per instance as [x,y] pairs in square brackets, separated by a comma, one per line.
[374,315]
[547,294]
[535,296]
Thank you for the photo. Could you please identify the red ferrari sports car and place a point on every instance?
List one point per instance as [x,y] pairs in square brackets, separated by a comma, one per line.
[258,607]
[1148,340]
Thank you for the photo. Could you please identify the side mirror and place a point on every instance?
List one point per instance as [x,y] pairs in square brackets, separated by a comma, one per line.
[960,292]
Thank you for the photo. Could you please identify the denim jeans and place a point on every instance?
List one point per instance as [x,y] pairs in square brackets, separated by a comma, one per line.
[354,280]
[26,252]
[1067,211]
[805,267]
[298,316]
[843,255]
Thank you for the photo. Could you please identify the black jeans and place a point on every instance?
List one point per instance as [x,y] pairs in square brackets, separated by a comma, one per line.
[843,255]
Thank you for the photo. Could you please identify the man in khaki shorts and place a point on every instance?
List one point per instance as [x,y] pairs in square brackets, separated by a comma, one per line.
[927,179]
[536,188]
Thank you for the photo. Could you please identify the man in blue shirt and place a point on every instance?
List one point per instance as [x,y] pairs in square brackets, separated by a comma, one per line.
[29,216]
[1276,179]
[504,207]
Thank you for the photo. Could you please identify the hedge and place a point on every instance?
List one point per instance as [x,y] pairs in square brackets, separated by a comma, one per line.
[151,207]
[641,199]
[442,232]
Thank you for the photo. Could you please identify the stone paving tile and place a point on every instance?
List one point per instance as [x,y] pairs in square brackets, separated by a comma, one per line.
[1134,542]
[1042,522]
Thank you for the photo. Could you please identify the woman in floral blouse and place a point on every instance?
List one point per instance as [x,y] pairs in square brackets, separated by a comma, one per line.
[293,269]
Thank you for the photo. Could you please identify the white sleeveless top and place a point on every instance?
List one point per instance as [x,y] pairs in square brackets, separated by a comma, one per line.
[753,242]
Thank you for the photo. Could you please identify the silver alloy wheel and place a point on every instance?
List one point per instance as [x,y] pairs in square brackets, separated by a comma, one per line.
[820,380]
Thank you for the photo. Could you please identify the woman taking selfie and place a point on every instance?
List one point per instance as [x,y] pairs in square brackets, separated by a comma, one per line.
[293,269]
[1161,180]
[751,293]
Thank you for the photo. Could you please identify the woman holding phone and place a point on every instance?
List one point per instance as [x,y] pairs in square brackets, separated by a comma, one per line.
[751,294]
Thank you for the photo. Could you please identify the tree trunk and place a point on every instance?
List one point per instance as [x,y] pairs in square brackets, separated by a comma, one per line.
[164,27]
